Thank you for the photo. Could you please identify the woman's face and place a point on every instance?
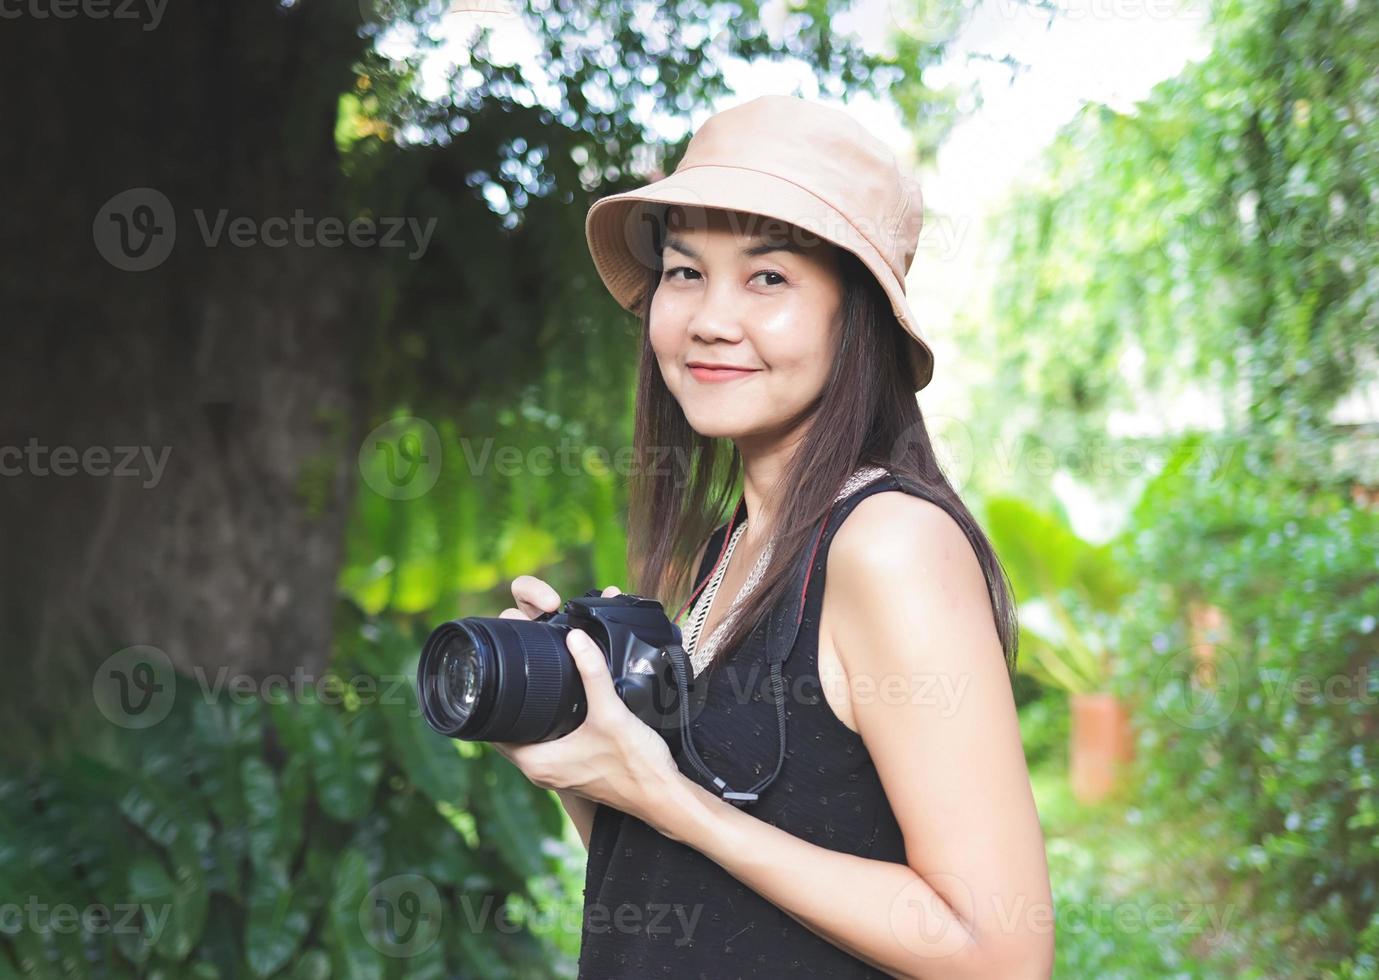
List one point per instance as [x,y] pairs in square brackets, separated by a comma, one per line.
[774,314]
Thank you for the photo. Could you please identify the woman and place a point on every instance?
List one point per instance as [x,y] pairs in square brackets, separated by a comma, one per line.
[897,834]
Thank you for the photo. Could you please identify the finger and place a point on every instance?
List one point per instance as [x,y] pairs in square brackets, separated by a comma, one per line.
[593,668]
[510,613]
[612,590]
[534,596]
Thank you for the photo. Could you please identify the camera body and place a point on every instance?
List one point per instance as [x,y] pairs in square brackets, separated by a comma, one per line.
[484,678]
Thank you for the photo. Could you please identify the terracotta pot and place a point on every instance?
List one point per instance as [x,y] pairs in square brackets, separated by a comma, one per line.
[1206,628]
[1102,743]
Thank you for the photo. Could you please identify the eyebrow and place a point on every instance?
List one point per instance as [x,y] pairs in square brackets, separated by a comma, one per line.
[751,251]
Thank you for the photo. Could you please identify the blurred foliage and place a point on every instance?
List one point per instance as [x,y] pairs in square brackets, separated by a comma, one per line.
[527,500]
[1222,237]
[306,828]
[1219,243]
[1123,912]
[1270,736]
[1069,590]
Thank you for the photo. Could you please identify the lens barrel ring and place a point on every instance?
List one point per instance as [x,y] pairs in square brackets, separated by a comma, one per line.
[547,674]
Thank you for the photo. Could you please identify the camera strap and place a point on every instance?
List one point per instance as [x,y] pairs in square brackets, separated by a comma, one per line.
[782,627]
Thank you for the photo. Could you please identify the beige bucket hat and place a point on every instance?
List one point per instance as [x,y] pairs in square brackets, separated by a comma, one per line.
[787,158]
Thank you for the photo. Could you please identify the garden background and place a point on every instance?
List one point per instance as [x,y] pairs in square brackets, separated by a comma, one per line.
[247,469]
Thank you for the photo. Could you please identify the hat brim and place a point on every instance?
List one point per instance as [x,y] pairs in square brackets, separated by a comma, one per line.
[620,245]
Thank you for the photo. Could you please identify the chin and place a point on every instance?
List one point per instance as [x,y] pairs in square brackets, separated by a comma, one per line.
[714,430]
[721,425]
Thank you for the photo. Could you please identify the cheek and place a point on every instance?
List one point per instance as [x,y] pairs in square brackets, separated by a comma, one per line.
[788,346]
[664,331]
[659,334]
[665,348]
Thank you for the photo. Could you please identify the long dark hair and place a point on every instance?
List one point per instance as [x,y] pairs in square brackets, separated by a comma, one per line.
[867,414]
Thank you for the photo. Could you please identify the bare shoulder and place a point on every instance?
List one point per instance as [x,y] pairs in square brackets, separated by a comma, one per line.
[902,559]
[894,531]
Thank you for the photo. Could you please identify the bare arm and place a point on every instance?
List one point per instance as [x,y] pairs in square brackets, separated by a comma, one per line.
[581,813]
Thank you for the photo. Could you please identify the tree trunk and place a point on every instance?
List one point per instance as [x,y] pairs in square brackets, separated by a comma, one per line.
[180,421]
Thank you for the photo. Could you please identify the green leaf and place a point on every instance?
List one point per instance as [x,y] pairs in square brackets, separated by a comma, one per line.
[174,906]
[313,965]
[421,840]
[430,760]
[263,813]
[507,815]
[276,924]
[346,759]
[273,812]
[168,814]
[352,956]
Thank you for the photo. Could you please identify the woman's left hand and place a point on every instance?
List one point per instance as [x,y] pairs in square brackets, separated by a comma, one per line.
[613,757]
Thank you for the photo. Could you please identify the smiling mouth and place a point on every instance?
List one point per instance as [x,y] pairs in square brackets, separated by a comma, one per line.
[711,374]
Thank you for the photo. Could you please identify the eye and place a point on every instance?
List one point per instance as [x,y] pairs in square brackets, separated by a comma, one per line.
[669,274]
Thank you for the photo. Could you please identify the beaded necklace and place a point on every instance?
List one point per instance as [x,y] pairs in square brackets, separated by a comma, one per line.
[701,655]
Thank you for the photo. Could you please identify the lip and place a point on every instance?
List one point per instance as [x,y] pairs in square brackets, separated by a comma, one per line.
[714,373]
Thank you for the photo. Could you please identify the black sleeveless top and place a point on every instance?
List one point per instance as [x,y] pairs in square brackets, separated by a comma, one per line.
[654,907]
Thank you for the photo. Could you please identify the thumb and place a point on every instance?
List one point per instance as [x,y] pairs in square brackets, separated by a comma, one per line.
[593,668]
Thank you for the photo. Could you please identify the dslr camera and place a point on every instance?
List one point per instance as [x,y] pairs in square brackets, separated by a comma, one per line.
[485,678]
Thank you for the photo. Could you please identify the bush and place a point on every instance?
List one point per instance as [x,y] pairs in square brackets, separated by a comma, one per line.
[1270,742]
[323,834]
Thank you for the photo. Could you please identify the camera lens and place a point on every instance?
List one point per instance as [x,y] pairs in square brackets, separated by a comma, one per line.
[461,676]
[500,680]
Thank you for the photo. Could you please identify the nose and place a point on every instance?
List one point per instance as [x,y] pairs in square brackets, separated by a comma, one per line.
[717,317]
